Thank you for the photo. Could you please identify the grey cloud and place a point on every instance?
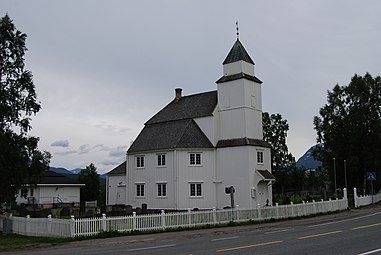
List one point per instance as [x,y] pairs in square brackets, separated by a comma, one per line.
[60,143]
[83,149]
[109,162]
[112,128]
[119,151]
[66,152]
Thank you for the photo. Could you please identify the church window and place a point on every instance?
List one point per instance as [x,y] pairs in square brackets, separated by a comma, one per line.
[161,189]
[140,190]
[196,189]
[260,157]
[161,160]
[194,159]
[140,161]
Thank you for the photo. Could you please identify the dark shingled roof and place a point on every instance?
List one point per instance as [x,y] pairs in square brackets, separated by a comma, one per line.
[50,177]
[170,135]
[188,107]
[119,170]
[241,142]
[238,53]
[266,174]
[238,76]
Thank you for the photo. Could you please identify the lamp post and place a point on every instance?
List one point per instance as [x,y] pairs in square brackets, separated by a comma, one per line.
[345,173]
[334,173]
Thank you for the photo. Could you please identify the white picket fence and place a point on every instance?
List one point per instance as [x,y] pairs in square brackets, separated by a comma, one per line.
[92,226]
[365,200]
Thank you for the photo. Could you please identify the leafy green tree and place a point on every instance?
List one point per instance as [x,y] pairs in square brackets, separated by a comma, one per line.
[275,130]
[90,178]
[349,125]
[20,160]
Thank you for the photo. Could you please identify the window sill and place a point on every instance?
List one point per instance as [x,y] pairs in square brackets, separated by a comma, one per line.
[194,165]
[140,197]
[162,166]
[139,168]
[162,197]
[196,197]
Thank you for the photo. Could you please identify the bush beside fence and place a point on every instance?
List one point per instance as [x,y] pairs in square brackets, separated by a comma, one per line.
[151,222]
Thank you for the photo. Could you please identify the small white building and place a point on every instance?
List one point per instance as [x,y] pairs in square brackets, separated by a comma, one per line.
[52,188]
[197,145]
[116,186]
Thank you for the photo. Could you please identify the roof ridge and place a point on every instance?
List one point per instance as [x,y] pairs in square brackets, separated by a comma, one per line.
[197,94]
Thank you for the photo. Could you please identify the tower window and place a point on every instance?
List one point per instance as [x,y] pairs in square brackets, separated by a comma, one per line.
[260,157]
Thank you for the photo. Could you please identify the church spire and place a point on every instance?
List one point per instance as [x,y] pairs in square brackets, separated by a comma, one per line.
[238,52]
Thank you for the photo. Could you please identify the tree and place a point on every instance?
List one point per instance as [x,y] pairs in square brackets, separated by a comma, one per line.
[275,133]
[20,161]
[349,125]
[90,178]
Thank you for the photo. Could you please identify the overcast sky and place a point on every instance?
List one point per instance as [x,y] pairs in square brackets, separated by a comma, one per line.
[101,69]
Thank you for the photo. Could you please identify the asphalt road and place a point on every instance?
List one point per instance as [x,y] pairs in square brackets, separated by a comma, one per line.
[353,232]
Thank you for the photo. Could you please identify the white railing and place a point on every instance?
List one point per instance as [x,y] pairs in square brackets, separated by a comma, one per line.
[150,222]
[40,226]
[365,200]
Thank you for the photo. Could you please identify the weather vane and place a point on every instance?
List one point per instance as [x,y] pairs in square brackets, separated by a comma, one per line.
[236,24]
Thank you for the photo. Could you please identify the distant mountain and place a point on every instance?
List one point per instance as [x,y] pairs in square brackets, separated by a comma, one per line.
[307,161]
[71,173]
[60,170]
[76,170]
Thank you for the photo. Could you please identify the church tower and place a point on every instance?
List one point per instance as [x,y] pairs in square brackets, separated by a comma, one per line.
[239,97]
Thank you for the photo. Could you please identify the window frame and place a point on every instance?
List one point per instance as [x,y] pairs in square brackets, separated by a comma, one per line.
[197,161]
[138,162]
[197,186]
[260,157]
[161,193]
[160,158]
[138,192]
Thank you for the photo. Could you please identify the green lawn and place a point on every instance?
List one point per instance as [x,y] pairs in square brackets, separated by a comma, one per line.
[16,242]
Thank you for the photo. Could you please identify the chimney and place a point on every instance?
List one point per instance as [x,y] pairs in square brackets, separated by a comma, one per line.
[178,94]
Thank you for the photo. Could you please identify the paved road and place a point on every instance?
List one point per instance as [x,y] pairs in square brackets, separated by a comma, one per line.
[352,232]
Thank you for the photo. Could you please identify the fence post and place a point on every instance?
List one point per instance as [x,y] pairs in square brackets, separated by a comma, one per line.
[237,211]
[214,215]
[72,226]
[304,208]
[315,209]
[163,219]
[49,225]
[103,222]
[27,225]
[259,211]
[189,217]
[276,210]
[355,197]
[133,220]
[292,209]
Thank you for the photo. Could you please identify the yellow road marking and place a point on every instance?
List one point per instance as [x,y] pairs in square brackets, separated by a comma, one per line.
[367,226]
[249,246]
[320,234]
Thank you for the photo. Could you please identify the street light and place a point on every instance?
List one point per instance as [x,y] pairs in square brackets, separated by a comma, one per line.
[345,173]
[334,173]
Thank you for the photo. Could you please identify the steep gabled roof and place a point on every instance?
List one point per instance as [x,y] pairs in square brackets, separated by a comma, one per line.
[119,170]
[238,53]
[170,135]
[188,107]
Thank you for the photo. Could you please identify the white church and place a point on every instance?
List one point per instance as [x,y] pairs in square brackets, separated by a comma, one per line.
[200,144]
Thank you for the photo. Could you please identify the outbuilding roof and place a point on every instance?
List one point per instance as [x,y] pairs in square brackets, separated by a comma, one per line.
[119,170]
[50,177]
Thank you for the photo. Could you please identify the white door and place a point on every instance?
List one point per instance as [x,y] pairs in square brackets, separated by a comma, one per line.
[121,195]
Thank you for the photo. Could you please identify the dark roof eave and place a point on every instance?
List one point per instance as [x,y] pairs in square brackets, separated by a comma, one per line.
[242,142]
[237,77]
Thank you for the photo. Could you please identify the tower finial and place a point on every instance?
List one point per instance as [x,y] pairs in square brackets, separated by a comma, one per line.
[236,24]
